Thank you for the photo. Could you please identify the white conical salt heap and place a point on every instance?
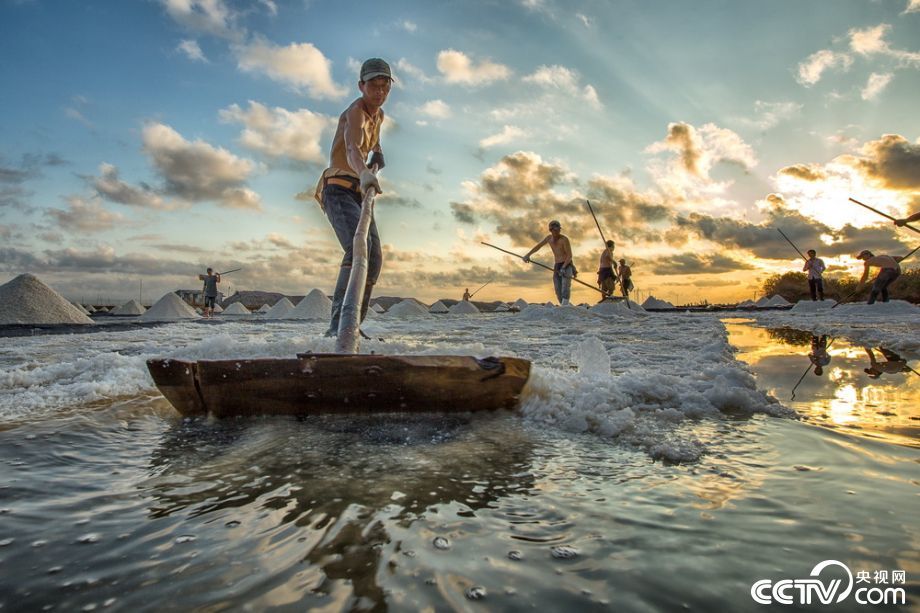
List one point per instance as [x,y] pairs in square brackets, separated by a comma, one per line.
[26,300]
[407,309]
[519,304]
[89,308]
[378,308]
[654,303]
[778,300]
[763,302]
[281,308]
[169,308]
[464,307]
[236,308]
[80,308]
[503,308]
[217,308]
[746,304]
[264,308]
[131,307]
[438,307]
[315,305]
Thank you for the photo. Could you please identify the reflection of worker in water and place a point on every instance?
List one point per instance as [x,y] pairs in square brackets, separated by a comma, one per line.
[819,355]
[892,365]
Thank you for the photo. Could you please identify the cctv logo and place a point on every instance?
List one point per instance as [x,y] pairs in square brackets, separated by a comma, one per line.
[806,591]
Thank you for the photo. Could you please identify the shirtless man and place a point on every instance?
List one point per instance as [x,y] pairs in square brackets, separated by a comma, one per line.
[340,188]
[626,283]
[606,271]
[466,294]
[564,271]
[889,271]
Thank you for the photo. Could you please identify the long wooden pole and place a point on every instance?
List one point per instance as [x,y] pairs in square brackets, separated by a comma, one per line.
[791,243]
[483,285]
[907,225]
[544,266]
[349,337]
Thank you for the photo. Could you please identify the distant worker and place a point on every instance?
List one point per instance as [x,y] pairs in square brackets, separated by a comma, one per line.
[606,271]
[902,222]
[815,268]
[564,270]
[210,291]
[341,187]
[889,271]
[466,295]
[626,284]
[892,365]
[819,356]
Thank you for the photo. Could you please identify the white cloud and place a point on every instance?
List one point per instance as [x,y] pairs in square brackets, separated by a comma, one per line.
[191,49]
[110,186]
[872,41]
[301,66]
[408,26]
[405,67]
[457,67]
[211,16]
[196,171]
[78,116]
[84,216]
[876,83]
[270,6]
[278,132]
[913,7]
[564,80]
[811,70]
[437,109]
[507,135]
[587,21]
[769,114]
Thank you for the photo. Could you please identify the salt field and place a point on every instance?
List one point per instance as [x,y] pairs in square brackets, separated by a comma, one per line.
[656,463]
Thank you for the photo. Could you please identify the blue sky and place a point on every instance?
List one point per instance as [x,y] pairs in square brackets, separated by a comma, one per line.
[145,140]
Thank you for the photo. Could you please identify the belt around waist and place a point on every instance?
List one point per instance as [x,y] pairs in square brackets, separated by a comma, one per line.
[351,184]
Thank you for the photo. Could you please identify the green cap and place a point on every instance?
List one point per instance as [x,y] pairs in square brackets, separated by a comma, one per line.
[373,68]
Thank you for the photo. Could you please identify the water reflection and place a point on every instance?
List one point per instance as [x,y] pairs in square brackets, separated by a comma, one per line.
[870,391]
[319,500]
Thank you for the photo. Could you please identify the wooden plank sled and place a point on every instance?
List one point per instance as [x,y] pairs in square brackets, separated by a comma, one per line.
[339,383]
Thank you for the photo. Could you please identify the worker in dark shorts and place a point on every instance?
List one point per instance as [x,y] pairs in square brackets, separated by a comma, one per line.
[210,290]
[606,271]
[341,186]
[889,271]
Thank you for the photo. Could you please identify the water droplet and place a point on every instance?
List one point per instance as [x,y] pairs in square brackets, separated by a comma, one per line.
[564,552]
[88,539]
[185,538]
[441,543]
[515,555]
[477,592]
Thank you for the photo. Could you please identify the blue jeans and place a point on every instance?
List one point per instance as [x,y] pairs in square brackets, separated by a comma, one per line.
[562,281]
[885,278]
[343,209]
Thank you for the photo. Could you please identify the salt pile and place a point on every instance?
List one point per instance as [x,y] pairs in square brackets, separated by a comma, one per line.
[315,305]
[376,307]
[217,308]
[438,307]
[746,304]
[654,303]
[763,302]
[80,308]
[169,308]
[464,307]
[281,308]
[26,300]
[520,304]
[408,309]
[236,308]
[609,308]
[89,308]
[549,304]
[895,307]
[778,300]
[131,307]
[264,308]
[807,306]
[503,307]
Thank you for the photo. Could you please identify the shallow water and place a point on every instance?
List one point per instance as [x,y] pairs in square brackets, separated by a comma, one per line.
[109,500]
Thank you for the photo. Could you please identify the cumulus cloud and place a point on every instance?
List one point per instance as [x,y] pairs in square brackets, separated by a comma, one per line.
[699,150]
[876,83]
[457,67]
[811,70]
[892,162]
[436,109]
[191,50]
[280,133]
[694,264]
[508,134]
[805,172]
[564,80]
[83,215]
[913,6]
[210,16]
[110,187]
[196,171]
[870,41]
[300,66]
[14,176]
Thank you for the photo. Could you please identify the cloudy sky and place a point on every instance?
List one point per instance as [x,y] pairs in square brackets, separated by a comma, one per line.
[144,140]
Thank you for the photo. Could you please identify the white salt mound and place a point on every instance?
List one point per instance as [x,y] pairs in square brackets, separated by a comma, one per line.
[807,306]
[895,307]
[407,309]
[503,308]
[520,304]
[376,307]
[169,308]
[26,300]
[131,307]
[315,305]
[80,308]
[89,308]
[746,304]
[281,308]
[236,308]
[654,303]
[264,308]
[438,307]
[778,300]
[217,309]
[464,307]
[763,302]
[609,308]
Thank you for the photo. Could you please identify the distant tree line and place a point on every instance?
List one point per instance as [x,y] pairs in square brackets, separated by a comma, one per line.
[793,286]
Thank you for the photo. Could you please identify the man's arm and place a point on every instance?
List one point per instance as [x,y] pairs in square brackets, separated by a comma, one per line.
[865,274]
[354,134]
[908,219]
[536,248]
[217,274]
[201,277]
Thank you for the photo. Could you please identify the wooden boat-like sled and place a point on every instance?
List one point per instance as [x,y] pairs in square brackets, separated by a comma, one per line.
[339,383]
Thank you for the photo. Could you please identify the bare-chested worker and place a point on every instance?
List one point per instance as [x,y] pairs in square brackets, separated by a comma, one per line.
[626,284]
[606,271]
[466,295]
[340,188]
[564,270]
[889,271]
